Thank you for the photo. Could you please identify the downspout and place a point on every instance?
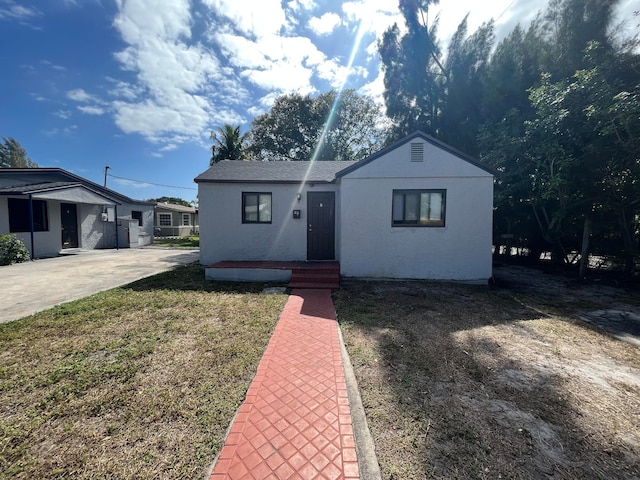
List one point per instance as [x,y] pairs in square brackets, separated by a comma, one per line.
[31,227]
[115,208]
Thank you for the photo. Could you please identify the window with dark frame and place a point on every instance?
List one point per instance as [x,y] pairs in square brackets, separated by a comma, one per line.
[256,207]
[19,215]
[136,215]
[186,220]
[419,208]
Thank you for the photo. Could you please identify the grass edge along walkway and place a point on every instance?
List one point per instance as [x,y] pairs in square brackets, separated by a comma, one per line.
[295,421]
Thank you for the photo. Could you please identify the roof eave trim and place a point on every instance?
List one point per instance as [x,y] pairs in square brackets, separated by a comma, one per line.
[55,189]
[263,182]
[428,138]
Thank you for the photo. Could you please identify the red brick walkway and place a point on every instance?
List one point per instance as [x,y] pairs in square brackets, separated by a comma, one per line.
[295,422]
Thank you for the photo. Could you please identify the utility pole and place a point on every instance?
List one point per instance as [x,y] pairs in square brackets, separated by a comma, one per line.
[106,169]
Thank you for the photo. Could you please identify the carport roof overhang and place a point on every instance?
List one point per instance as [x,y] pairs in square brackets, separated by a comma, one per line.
[61,191]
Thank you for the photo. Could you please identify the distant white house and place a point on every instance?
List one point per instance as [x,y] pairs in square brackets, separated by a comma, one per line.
[174,220]
[51,210]
[418,209]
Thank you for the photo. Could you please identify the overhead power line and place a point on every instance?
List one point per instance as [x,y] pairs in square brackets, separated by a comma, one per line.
[151,183]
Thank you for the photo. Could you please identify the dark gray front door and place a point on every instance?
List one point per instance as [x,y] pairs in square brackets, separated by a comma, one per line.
[69,218]
[321,227]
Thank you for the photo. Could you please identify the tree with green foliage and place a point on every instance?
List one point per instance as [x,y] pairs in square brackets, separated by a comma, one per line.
[413,71]
[13,155]
[463,87]
[424,90]
[228,144]
[172,200]
[332,126]
[569,156]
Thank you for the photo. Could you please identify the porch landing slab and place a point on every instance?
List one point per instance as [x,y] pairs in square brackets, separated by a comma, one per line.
[275,265]
[323,275]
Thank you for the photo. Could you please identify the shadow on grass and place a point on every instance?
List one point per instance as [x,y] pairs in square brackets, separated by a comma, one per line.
[191,278]
[467,383]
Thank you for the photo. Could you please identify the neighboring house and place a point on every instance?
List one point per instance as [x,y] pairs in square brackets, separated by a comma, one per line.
[69,211]
[175,220]
[418,209]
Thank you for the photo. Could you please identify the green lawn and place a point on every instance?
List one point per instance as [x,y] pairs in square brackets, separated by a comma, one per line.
[184,242]
[139,382]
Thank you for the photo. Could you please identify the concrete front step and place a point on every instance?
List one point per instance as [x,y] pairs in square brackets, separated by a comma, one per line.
[328,270]
[318,277]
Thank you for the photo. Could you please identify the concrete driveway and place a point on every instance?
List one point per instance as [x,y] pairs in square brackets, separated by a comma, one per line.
[27,288]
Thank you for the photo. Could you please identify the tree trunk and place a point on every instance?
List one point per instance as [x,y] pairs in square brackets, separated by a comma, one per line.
[584,252]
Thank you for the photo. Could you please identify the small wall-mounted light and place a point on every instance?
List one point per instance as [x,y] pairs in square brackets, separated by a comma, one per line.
[299,196]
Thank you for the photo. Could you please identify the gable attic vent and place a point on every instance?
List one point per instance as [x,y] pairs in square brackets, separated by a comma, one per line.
[417,152]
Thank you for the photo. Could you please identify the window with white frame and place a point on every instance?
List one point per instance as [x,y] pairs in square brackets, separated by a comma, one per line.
[418,208]
[186,219]
[256,207]
[164,219]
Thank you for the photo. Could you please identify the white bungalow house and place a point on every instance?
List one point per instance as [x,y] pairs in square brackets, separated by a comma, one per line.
[418,209]
[51,210]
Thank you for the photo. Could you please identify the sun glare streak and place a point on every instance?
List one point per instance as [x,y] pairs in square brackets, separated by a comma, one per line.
[325,129]
[356,46]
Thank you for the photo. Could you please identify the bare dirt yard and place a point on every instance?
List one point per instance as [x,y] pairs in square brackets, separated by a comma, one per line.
[514,381]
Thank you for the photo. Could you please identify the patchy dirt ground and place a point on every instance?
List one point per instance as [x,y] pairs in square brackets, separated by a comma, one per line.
[508,382]
[620,317]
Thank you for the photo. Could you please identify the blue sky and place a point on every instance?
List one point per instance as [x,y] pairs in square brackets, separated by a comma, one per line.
[139,84]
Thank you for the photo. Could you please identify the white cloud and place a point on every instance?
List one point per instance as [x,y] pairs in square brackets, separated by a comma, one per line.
[277,63]
[186,115]
[282,76]
[79,95]
[256,18]
[54,66]
[337,74]
[91,110]
[69,130]
[241,51]
[10,10]
[63,114]
[325,24]
[173,76]
[297,5]
[375,15]
[131,183]
[375,88]
[255,111]
[125,90]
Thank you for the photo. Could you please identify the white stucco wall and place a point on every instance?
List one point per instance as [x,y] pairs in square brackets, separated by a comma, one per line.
[92,231]
[47,243]
[125,210]
[223,236]
[372,247]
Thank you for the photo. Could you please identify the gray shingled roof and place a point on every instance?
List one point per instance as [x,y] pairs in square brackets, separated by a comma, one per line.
[175,207]
[237,171]
[62,178]
[37,187]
